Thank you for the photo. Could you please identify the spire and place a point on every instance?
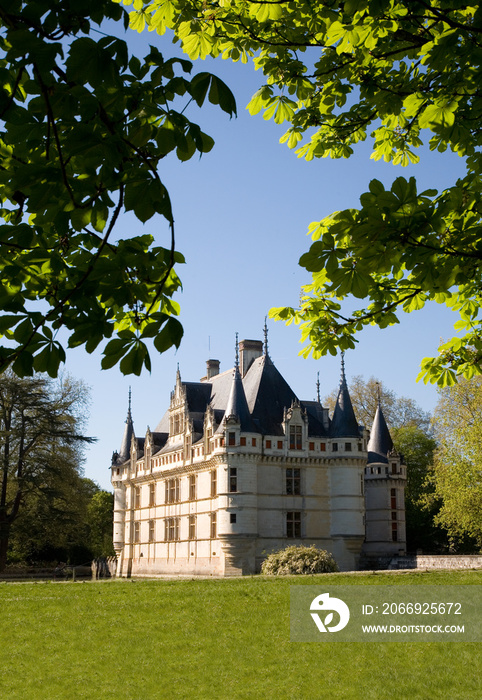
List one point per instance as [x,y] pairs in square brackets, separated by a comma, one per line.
[318,387]
[125,449]
[237,405]
[380,442]
[265,331]
[344,422]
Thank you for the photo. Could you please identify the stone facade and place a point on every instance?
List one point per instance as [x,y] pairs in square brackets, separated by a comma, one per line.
[238,467]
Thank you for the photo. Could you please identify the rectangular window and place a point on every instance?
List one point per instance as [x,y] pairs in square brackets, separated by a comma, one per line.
[137,497]
[192,527]
[171,529]
[293,524]
[253,442]
[334,447]
[322,447]
[393,499]
[312,446]
[213,526]
[209,434]
[347,446]
[394,532]
[295,437]
[172,491]
[280,444]
[242,441]
[232,518]
[293,482]
[268,444]
[360,447]
[214,483]
[394,468]
[137,531]
[231,439]
[192,487]
[233,479]
[152,530]
[152,495]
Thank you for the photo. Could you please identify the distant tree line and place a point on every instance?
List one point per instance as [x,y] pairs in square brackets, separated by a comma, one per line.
[48,510]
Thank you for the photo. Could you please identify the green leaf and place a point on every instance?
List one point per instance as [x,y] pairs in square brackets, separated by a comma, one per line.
[170,335]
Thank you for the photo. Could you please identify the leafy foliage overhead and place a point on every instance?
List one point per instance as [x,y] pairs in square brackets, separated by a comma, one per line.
[83,129]
[338,72]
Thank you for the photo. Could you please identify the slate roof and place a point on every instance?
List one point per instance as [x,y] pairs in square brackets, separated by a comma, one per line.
[316,425]
[344,422]
[125,449]
[267,394]
[258,400]
[237,406]
[380,443]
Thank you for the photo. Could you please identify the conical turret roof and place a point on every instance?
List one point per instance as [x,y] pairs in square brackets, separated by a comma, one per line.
[344,422]
[380,442]
[125,449]
[237,404]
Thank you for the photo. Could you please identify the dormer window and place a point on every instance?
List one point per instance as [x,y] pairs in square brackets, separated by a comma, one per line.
[296,433]
[177,423]
[209,434]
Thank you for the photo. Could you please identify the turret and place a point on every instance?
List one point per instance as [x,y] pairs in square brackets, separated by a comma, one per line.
[237,410]
[385,478]
[125,449]
[346,479]
[344,423]
[119,460]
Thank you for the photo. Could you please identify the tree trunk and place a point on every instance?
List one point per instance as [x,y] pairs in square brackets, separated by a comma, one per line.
[4,537]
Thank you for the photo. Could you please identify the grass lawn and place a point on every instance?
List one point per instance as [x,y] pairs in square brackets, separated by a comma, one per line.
[228,639]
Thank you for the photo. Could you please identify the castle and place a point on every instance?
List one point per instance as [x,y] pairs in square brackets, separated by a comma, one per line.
[239,467]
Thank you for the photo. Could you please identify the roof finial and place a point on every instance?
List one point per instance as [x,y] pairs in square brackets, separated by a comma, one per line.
[129,417]
[318,387]
[343,378]
[236,363]
[265,330]
[378,394]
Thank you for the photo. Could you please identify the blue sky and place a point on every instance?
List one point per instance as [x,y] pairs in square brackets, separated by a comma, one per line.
[242,212]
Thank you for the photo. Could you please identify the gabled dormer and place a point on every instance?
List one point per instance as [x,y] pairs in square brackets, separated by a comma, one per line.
[295,426]
[177,409]
[209,428]
[148,444]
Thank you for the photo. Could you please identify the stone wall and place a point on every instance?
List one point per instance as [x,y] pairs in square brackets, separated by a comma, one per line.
[440,561]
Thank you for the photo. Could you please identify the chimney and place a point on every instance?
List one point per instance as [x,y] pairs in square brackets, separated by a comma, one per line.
[249,350]
[212,368]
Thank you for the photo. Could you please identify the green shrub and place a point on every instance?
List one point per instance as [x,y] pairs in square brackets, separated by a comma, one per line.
[299,560]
